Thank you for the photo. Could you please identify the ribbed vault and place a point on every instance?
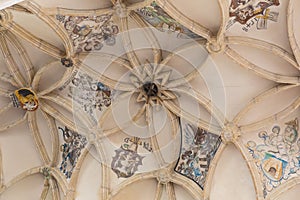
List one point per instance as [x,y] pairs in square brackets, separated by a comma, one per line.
[132,99]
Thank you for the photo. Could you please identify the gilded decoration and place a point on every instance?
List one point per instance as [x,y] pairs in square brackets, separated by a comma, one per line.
[26,99]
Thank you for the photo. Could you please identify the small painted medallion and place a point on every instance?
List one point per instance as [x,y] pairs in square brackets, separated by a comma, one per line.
[26,99]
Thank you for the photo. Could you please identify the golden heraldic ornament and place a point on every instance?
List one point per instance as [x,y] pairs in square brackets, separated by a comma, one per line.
[26,99]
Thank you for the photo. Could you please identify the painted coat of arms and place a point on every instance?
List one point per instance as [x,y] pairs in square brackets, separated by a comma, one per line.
[26,99]
[250,12]
[198,150]
[159,19]
[90,33]
[126,161]
[89,93]
[278,157]
[71,150]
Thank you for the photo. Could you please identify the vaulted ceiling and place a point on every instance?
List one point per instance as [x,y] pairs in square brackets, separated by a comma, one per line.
[165,99]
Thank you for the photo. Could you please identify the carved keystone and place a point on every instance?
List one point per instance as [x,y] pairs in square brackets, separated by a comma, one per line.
[230,133]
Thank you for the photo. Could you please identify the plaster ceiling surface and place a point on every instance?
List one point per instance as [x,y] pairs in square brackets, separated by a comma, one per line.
[165,99]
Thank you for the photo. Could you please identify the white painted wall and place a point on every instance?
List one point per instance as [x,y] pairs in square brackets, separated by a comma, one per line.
[7,3]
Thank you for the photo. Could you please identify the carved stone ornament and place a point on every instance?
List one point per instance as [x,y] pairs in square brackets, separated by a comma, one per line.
[67,62]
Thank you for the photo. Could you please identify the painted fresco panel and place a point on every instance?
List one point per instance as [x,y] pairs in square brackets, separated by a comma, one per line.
[277,154]
[197,152]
